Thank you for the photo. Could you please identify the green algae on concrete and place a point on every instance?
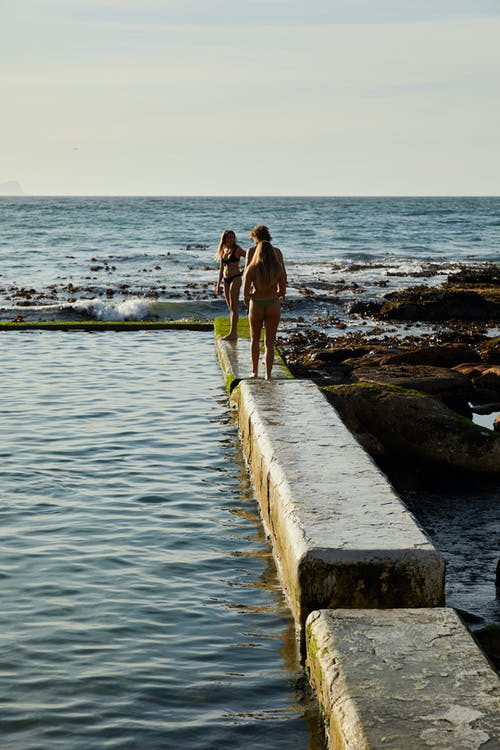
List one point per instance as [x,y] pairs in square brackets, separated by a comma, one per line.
[222,327]
[104,325]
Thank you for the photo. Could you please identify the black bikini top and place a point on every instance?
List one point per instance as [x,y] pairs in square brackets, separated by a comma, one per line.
[233,258]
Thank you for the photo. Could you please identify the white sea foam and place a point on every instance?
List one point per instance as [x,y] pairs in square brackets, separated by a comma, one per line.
[130,309]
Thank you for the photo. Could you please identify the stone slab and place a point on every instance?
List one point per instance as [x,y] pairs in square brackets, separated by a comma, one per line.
[341,535]
[405,679]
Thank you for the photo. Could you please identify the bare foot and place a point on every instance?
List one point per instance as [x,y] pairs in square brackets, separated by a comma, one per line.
[254,375]
[230,338]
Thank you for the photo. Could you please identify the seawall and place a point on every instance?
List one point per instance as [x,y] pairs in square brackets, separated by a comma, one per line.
[391,665]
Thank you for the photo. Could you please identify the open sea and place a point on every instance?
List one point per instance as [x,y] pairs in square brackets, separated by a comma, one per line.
[140,603]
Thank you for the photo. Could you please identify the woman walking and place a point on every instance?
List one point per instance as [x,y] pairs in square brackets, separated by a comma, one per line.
[229,254]
[264,289]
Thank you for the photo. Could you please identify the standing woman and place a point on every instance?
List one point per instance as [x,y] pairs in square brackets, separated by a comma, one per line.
[258,234]
[264,289]
[229,254]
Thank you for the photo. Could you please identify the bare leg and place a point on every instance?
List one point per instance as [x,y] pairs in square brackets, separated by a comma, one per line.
[232,295]
[271,323]
[255,319]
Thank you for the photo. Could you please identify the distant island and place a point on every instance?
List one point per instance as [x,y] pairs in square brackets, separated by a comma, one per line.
[12,187]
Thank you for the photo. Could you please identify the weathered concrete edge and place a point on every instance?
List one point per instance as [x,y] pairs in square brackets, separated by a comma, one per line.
[316,577]
[404,678]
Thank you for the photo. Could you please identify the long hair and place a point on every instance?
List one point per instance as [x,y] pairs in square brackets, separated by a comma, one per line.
[227,240]
[261,234]
[267,267]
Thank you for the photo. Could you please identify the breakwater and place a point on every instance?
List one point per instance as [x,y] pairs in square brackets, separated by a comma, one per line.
[391,665]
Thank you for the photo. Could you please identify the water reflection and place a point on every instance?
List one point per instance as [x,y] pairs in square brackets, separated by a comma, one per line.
[305,701]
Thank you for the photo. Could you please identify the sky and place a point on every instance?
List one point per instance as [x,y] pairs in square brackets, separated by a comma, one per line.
[250,97]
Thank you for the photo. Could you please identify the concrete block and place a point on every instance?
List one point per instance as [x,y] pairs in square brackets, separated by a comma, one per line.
[404,679]
[341,535]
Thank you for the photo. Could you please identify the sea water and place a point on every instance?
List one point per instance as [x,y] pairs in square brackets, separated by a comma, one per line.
[153,258]
[140,606]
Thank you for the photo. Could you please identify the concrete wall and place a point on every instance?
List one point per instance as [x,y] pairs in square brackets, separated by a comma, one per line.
[391,667]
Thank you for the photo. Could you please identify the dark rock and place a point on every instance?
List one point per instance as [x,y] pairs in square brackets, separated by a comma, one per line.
[485,379]
[489,640]
[486,408]
[490,351]
[417,427]
[484,274]
[447,355]
[438,304]
[452,388]
[368,307]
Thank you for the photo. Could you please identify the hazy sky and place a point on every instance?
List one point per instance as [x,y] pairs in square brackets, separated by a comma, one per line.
[250,97]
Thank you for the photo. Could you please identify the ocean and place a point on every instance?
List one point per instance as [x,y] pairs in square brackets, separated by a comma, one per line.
[153,258]
[140,602]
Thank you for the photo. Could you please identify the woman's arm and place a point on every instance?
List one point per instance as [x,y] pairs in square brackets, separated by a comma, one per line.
[219,280]
[279,255]
[247,283]
[249,255]
[282,286]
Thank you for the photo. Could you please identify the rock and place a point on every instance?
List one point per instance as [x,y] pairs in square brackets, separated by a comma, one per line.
[438,304]
[485,379]
[490,351]
[418,428]
[489,378]
[486,408]
[484,274]
[452,388]
[489,640]
[446,355]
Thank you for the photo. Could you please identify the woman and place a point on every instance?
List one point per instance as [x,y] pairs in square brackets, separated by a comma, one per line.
[229,254]
[258,234]
[264,289]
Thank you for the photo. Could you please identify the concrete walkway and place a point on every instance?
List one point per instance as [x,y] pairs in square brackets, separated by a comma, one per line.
[391,667]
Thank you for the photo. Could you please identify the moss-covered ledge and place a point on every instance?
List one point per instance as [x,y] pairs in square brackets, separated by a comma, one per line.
[105,325]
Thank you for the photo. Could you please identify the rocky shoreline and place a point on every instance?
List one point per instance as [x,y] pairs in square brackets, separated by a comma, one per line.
[410,399]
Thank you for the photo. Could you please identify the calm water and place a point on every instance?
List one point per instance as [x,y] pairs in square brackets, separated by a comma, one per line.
[140,606]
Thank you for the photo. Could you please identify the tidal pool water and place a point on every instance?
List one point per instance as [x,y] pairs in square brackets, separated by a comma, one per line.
[140,606]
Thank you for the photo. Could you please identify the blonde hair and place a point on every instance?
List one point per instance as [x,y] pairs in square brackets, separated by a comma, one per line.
[261,234]
[266,265]
[224,242]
